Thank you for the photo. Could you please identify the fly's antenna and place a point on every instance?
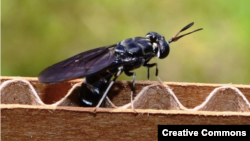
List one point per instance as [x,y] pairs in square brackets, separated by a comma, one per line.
[176,37]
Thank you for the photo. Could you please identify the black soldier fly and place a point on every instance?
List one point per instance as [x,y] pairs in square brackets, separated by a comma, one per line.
[99,65]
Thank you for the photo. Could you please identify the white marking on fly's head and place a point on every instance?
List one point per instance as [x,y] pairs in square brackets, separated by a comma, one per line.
[159,53]
[155,46]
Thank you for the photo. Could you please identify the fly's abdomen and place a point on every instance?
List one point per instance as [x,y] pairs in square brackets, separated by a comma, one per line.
[93,88]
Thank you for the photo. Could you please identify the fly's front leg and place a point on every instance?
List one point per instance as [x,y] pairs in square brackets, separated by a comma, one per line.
[156,70]
[150,66]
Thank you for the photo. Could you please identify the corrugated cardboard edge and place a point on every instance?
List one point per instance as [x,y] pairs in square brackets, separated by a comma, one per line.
[224,98]
[23,122]
[48,122]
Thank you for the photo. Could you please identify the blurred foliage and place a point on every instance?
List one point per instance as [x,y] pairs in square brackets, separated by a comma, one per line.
[39,33]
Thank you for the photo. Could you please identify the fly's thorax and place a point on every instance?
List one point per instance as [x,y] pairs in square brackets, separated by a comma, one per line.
[135,47]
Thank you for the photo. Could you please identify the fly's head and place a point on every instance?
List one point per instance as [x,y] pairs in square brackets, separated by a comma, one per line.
[159,44]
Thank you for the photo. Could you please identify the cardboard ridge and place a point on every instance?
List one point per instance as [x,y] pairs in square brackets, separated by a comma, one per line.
[37,111]
[150,96]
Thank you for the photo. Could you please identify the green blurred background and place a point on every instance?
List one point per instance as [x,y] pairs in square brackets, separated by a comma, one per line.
[38,33]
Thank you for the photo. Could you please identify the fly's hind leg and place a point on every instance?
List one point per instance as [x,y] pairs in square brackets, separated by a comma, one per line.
[120,70]
[110,102]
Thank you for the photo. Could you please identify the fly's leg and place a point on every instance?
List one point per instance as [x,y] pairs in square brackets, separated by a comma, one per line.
[150,66]
[104,95]
[120,70]
[110,102]
[156,70]
[133,86]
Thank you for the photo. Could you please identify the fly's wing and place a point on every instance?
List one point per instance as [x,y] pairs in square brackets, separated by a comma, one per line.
[80,65]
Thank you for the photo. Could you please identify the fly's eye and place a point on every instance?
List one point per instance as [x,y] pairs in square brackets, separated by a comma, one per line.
[163,49]
[162,46]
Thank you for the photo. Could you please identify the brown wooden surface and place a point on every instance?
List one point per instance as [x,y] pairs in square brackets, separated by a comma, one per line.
[24,122]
